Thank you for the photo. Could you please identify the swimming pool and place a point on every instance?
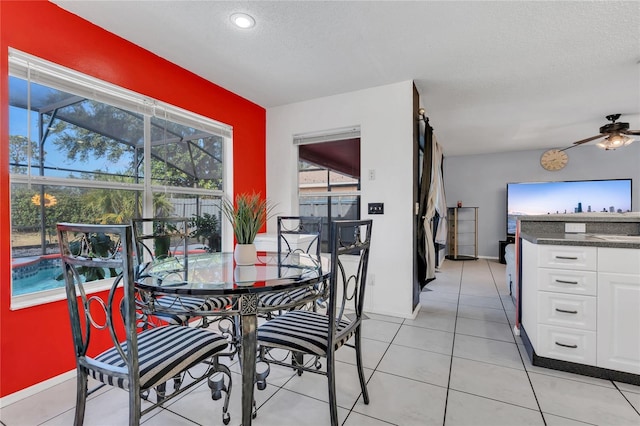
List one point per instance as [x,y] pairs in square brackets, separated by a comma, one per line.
[33,274]
[42,280]
[36,274]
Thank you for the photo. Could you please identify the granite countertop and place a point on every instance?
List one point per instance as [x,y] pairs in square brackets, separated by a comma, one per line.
[590,240]
[584,217]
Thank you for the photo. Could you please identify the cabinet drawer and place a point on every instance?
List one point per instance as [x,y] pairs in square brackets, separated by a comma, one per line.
[567,310]
[568,281]
[567,344]
[568,257]
[619,260]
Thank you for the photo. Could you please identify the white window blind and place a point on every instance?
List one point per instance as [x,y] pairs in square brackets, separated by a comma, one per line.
[350,132]
[53,75]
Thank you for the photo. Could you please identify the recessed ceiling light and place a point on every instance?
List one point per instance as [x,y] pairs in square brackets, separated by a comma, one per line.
[242,20]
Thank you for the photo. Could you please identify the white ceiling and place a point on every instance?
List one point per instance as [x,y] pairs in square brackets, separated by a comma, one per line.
[493,76]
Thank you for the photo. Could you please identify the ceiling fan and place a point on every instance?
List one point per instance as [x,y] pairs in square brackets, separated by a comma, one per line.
[615,134]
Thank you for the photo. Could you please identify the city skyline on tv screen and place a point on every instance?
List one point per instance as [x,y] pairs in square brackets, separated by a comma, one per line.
[539,198]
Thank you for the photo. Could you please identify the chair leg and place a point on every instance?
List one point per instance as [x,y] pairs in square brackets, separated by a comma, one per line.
[363,383]
[331,376]
[81,396]
[297,359]
[177,382]
[261,376]
[161,391]
[217,387]
[135,405]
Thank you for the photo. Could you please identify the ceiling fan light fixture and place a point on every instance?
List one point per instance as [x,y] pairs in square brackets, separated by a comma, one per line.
[242,20]
[614,141]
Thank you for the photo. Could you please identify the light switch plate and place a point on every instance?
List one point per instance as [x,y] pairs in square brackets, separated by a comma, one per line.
[375,208]
[574,228]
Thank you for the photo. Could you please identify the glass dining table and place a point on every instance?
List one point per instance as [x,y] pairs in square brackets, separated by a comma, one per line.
[208,275]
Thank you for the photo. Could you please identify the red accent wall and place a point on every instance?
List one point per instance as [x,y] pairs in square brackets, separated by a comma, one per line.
[35,343]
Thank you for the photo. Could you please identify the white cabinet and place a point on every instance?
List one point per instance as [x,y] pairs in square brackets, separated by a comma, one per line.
[567,310]
[568,281]
[582,304]
[567,257]
[567,344]
[563,321]
[619,309]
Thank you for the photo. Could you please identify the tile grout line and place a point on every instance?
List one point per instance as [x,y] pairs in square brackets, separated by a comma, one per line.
[374,371]
[625,397]
[519,353]
[453,343]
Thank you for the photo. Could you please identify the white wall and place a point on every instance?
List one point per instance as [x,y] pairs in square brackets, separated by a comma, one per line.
[385,117]
[480,180]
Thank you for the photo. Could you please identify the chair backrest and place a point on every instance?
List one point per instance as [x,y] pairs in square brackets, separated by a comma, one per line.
[87,252]
[350,244]
[299,234]
[160,237]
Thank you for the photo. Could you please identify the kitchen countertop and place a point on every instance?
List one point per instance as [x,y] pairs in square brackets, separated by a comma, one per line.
[589,240]
[583,217]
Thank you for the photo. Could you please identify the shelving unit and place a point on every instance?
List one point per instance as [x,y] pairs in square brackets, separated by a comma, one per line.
[463,233]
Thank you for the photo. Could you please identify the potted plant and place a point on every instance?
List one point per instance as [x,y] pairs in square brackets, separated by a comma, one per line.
[247,215]
[206,229]
[162,238]
[101,245]
[163,226]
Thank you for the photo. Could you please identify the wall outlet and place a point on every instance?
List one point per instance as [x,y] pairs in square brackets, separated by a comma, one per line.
[372,279]
[573,228]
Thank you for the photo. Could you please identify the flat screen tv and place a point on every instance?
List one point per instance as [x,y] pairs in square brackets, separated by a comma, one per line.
[580,196]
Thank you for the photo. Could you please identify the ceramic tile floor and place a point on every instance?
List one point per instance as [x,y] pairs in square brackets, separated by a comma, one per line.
[456,363]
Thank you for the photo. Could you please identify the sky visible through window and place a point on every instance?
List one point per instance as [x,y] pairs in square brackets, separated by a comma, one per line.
[55,158]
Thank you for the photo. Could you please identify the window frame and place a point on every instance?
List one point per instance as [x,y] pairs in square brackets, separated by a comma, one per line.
[40,71]
[332,190]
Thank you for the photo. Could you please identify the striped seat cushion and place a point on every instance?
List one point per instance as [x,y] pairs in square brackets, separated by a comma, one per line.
[182,307]
[282,298]
[301,331]
[162,353]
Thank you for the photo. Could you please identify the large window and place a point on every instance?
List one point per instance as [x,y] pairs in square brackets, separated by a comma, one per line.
[81,150]
[329,177]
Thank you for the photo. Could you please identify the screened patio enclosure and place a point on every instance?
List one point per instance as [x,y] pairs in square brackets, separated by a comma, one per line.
[103,158]
[329,181]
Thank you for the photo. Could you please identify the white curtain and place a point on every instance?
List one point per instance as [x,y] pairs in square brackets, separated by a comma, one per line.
[437,186]
[436,202]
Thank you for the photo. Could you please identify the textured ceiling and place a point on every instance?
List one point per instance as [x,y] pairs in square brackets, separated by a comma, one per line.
[493,76]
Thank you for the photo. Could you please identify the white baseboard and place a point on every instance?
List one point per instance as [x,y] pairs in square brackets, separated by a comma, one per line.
[416,311]
[393,314]
[39,387]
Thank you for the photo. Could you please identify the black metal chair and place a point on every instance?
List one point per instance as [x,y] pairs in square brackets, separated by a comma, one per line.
[140,362]
[321,334]
[168,237]
[296,235]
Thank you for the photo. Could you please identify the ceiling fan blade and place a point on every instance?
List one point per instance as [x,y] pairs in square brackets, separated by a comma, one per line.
[580,142]
[631,132]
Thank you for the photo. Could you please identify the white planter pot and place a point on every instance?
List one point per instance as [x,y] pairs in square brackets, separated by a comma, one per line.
[245,254]
[245,275]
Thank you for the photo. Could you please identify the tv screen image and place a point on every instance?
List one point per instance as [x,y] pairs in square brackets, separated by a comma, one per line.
[566,197]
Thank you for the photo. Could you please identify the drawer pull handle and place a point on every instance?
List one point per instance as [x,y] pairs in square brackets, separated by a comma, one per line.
[566,257]
[567,282]
[567,346]
[564,311]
